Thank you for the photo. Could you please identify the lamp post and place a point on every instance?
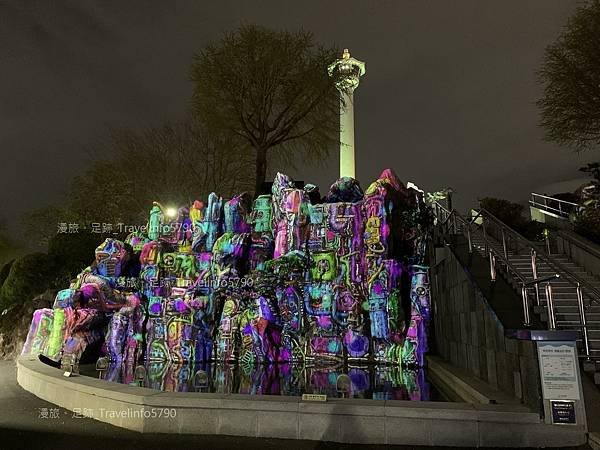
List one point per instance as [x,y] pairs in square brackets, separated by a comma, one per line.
[346,73]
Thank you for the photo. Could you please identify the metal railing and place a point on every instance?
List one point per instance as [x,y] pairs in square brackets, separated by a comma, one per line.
[519,243]
[450,220]
[575,240]
[582,288]
[553,206]
[485,224]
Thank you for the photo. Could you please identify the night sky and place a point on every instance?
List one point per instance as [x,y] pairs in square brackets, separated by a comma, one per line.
[447,100]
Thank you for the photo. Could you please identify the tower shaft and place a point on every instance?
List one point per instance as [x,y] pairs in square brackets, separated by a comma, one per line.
[347,164]
[346,73]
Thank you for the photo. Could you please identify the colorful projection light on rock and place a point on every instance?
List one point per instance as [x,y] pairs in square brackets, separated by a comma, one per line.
[289,279]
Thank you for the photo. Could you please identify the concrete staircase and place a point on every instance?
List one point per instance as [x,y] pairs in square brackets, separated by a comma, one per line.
[564,292]
[478,231]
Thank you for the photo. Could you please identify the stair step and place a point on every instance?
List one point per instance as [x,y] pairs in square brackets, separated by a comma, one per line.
[543,273]
[593,320]
[563,305]
[570,321]
[564,291]
[572,309]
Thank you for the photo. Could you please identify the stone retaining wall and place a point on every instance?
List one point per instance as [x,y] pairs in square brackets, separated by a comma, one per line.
[469,334]
[337,420]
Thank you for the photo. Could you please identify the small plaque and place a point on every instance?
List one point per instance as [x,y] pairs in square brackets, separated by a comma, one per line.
[314,397]
[67,374]
[563,412]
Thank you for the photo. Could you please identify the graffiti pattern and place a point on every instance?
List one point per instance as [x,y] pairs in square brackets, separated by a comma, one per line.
[290,277]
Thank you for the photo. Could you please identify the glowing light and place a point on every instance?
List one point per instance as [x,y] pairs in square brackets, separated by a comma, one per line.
[171,212]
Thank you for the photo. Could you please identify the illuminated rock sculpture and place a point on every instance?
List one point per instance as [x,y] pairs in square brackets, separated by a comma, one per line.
[288,278]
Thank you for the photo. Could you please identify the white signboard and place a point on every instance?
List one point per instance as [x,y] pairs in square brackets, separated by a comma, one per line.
[558,367]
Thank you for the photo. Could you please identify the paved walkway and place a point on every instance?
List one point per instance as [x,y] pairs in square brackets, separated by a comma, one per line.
[27,422]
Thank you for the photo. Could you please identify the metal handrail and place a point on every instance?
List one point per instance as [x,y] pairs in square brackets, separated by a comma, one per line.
[553,198]
[579,241]
[555,265]
[493,254]
[571,278]
[560,211]
[542,280]
[486,240]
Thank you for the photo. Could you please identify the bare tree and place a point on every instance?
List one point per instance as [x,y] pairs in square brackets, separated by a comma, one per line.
[570,74]
[270,90]
[174,164]
[181,162]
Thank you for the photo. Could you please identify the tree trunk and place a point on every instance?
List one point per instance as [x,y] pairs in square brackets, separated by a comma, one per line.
[261,169]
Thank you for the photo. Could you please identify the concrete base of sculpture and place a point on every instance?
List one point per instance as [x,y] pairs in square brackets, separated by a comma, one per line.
[337,420]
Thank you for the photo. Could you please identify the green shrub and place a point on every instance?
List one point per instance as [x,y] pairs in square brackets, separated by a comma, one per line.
[32,274]
[532,230]
[28,276]
[588,224]
[73,251]
[5,271]
[508,212]
[512,214]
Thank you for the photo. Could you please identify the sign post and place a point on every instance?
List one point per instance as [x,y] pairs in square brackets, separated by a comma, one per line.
[561,383]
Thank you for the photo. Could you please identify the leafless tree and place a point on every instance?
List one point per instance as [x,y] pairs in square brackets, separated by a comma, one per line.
[270,90]
[570,75]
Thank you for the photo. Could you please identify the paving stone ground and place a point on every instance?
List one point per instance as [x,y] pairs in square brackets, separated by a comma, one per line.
[23,425]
